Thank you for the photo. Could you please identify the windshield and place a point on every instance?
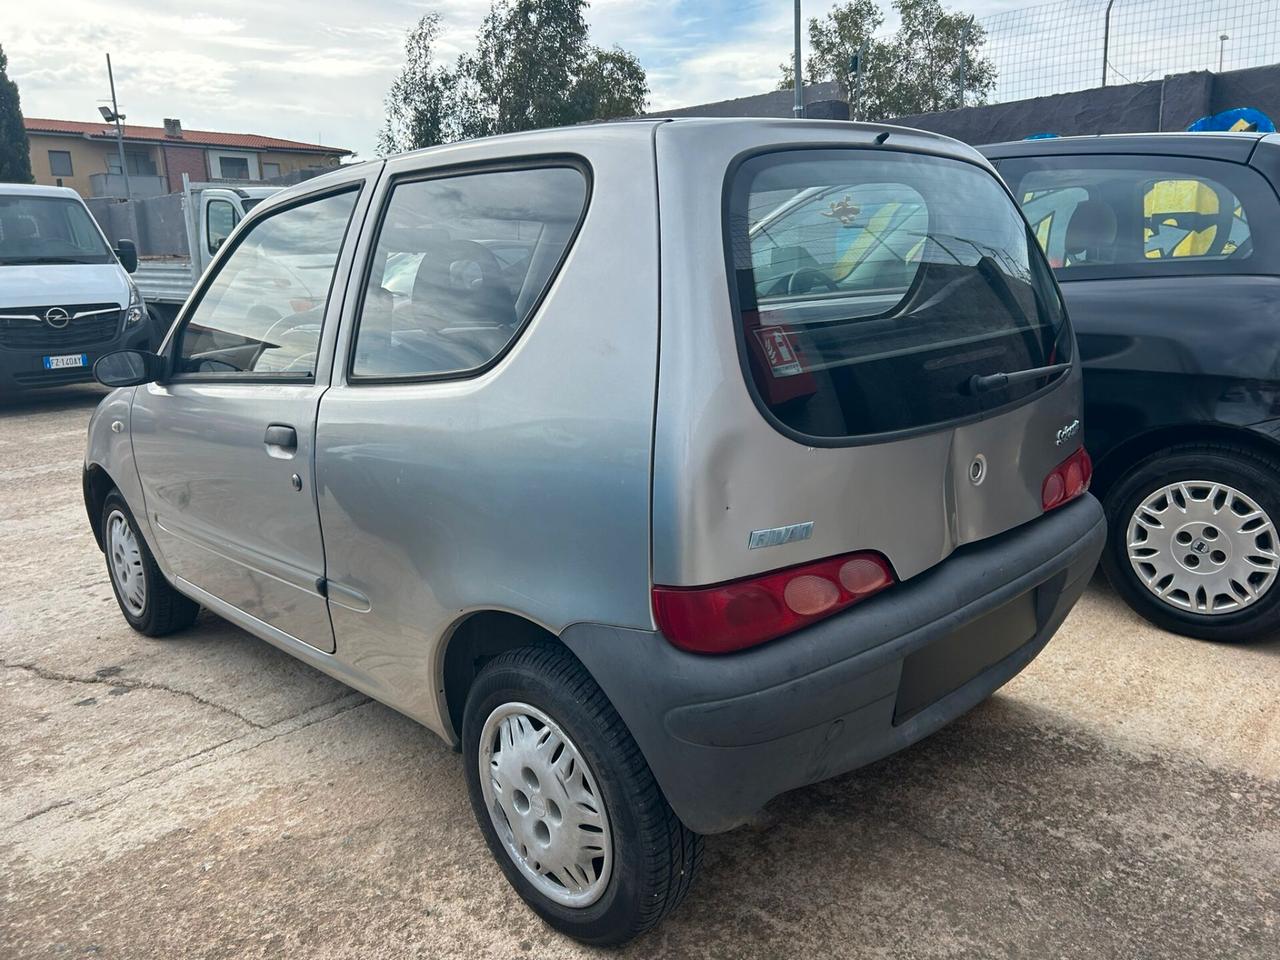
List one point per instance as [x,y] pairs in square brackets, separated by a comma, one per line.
[48,230]
[873,288]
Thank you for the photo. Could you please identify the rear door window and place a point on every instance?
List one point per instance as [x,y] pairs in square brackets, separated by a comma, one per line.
[1101,216]
[872,287]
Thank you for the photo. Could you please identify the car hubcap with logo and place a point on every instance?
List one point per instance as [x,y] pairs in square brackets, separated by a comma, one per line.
[125,561]
[1203,547]
[545,805]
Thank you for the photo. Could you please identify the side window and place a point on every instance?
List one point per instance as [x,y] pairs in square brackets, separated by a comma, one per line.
[262,311]
[1098,216]
[461,262]
[222,219]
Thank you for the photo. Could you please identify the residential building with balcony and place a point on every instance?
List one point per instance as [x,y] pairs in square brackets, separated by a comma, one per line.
[84,155]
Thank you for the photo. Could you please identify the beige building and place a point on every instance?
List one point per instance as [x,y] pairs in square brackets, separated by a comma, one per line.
[84,155]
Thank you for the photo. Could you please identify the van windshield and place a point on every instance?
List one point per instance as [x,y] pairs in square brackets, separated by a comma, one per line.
[874,286]
[48,230]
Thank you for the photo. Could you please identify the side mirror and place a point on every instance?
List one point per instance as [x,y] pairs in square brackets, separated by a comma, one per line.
[128,368]
[127,254]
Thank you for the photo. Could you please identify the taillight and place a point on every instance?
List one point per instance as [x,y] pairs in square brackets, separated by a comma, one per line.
[743,613]
[1067,480]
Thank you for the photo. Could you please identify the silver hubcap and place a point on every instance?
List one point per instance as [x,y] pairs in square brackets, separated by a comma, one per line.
[1203,547]
[125,560]
[545,805]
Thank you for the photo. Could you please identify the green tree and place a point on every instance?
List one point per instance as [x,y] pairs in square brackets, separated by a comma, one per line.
[533,66]
[921,68]
[15,151]
[420,104]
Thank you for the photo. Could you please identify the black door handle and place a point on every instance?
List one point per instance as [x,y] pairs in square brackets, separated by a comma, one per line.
[281,435]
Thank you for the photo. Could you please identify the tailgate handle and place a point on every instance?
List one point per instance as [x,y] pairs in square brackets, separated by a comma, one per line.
[281,436]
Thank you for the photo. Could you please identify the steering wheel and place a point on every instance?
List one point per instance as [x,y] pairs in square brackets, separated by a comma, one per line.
[806,278]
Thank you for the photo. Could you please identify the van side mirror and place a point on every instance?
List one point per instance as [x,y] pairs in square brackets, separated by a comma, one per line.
[127,254]
[128,368]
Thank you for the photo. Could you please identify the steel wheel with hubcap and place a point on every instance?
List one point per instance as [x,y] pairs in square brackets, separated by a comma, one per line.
[147,600]
[544,803]
[124,560]
[1193,541]
[566,802]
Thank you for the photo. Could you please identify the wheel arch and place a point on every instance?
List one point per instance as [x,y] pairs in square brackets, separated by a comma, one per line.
[97,485]
[1125,456]
[471,643]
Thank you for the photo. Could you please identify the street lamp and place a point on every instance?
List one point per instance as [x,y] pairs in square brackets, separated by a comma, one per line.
[115,116]
[798,109]
[1222,46]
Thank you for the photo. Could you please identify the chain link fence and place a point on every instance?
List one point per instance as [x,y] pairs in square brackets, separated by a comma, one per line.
[1077,44]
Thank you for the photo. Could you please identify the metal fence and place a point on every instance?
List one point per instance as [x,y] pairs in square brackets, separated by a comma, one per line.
[1077,44]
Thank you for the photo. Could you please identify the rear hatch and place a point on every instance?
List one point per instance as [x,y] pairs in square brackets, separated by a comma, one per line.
[887,366]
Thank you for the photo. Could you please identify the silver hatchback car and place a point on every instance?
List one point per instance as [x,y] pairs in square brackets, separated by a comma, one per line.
[661,467]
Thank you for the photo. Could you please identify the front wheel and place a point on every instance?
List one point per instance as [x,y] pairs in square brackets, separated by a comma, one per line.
[145,597]
[566,802]
[1193,541]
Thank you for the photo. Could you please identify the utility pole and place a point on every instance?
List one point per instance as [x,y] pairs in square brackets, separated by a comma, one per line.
[798,109]
[1106,39]
[115,114]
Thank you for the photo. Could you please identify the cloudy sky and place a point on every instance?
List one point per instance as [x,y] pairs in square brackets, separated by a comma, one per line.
[318,70]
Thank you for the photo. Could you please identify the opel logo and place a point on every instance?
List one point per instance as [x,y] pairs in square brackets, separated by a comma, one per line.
[56,317]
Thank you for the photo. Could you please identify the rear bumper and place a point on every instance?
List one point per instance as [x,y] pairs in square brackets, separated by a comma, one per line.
[724,735]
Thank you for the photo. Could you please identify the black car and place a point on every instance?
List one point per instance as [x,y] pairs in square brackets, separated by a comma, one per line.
[1167,247]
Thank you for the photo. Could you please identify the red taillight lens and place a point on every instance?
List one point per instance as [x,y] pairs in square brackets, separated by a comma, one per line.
[1067,480]
[743,613]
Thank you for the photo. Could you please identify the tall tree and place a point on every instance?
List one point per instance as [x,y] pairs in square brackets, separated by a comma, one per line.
[420,104]
[15,151]
[931,58]
[532,66]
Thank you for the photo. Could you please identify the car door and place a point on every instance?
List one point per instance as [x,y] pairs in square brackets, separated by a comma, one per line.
[1167,264]
[224,445]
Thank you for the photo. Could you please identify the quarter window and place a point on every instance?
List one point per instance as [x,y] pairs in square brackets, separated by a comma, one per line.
[461,263]
[262,312]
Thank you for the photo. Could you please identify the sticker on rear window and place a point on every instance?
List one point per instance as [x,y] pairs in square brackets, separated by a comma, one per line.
[779,352]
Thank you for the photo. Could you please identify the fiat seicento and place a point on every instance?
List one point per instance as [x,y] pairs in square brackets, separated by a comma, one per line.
[660,467]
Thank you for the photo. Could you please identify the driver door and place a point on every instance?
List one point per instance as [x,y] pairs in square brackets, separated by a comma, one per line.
[224,446]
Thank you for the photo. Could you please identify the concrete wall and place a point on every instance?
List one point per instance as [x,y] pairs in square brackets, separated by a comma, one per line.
[1168,104]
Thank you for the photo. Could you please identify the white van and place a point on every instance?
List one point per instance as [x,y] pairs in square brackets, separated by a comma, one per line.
[66,297]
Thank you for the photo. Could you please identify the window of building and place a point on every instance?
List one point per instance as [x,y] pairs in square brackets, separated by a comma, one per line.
[60,163]
[270,170]
[233,168]
[139,164]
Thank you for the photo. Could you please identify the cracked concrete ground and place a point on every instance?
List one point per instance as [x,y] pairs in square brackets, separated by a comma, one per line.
[207,796]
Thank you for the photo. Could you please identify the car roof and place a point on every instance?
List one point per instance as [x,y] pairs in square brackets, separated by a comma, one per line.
[37,190]
[1211,146]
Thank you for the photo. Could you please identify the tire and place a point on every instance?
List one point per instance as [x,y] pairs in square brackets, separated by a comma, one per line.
[645,858]
[1218,484]
[148,602]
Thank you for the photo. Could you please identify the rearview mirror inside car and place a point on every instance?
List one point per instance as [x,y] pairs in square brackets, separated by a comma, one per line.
[128,368]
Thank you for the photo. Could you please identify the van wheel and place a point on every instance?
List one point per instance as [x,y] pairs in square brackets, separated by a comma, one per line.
[1193,543]
[566,802]
[145,597]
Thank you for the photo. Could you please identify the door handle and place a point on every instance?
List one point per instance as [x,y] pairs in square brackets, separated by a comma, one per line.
[281,439]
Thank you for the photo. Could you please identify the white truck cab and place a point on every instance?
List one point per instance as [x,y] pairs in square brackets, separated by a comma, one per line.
[66,296]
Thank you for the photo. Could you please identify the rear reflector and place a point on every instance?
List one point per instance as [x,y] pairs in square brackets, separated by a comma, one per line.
[1067,480]
[742,613]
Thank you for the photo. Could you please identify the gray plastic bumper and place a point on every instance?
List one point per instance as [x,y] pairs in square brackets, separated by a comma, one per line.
[726,734]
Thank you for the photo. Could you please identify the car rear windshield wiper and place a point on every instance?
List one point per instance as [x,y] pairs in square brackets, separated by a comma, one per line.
[997,381]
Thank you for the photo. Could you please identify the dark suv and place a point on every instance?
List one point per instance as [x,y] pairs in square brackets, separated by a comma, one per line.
[1167,247]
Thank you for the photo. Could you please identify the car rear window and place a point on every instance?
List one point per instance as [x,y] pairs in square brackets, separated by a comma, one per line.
[873,286]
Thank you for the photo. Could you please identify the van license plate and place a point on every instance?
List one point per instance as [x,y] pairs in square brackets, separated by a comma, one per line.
[66,360]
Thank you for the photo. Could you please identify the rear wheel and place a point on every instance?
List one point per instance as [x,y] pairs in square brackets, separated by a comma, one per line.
[566,802]
[1193,543]
[145,597]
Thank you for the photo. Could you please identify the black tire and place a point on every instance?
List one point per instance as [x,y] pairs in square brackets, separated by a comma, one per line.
[655,856]
[164,609]
[1253,474]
